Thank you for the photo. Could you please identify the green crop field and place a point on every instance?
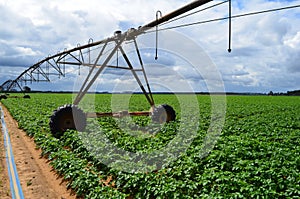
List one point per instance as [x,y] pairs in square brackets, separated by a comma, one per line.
[256,155]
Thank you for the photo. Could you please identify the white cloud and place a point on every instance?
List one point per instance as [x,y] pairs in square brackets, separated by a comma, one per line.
[294,41]
[265,52]
[27,51]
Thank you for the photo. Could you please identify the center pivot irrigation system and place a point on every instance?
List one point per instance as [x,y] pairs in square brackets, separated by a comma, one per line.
[72,117]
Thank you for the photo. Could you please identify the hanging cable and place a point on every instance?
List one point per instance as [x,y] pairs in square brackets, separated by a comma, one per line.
[229,34]
[158,14]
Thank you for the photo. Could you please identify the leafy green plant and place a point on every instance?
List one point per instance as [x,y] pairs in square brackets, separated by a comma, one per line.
[257,156]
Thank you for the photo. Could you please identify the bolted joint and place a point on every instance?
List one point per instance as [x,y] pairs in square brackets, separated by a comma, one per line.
[118,34]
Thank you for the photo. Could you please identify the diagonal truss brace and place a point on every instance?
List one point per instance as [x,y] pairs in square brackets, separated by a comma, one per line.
[91,78]
[55,64]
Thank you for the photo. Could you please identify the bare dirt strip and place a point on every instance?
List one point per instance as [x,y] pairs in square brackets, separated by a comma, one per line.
[37,177]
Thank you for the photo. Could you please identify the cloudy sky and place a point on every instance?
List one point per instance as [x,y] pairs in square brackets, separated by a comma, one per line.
[265,48]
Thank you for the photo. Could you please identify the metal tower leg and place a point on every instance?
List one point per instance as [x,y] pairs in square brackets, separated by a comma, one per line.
[84,89]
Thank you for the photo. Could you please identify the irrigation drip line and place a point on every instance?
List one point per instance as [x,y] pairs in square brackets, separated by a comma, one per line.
[15,184]
[226,18]
[229,26]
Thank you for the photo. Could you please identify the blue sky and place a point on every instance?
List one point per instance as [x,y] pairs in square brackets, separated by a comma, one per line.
[265,48]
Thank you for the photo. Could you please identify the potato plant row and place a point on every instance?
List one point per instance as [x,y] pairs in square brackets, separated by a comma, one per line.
[257,154]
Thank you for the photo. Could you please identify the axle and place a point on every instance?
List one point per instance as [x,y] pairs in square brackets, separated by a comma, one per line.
[119,114]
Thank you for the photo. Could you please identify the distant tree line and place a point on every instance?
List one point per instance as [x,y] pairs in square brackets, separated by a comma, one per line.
[289,93]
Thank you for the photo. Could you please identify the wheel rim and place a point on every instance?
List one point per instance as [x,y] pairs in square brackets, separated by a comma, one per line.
[163,113]
[67,117]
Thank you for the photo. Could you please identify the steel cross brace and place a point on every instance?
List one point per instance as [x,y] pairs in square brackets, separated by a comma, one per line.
[119,40]
[55,60]
[131,34]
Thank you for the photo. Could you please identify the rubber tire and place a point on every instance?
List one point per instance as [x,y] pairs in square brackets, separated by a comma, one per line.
[163,113]
[3,97]
[67,117]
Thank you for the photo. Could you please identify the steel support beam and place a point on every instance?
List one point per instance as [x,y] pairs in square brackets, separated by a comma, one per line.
[55,60]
